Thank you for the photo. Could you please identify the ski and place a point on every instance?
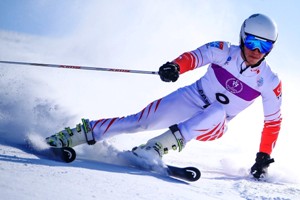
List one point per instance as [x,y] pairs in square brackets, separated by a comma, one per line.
[189,174]
[68,155]
[64,154]
[37,147]
[185,173]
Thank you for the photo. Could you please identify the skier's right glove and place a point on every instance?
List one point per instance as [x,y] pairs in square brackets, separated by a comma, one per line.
[260,167]
[169,72]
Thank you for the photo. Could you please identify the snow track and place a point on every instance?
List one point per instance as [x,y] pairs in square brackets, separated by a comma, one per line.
[25,176]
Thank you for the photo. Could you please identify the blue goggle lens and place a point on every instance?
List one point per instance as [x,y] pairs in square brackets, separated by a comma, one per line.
[252,43]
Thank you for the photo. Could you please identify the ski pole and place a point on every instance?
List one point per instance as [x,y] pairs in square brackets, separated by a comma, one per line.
[79,67]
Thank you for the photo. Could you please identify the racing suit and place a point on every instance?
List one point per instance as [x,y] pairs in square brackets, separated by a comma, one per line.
[203,109]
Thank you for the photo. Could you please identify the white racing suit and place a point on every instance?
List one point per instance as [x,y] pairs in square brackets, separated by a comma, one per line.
[202,110]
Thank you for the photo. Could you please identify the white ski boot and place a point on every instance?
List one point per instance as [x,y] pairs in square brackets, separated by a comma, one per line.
[73,137]
[156,147]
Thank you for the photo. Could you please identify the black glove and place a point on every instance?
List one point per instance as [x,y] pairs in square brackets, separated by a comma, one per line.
[169,72]
[260,167]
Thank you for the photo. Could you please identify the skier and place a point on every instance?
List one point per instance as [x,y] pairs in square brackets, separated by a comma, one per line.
[236,76]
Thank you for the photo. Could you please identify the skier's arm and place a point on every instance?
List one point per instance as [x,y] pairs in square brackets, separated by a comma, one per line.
[269,136]
[272,122]
[214,52]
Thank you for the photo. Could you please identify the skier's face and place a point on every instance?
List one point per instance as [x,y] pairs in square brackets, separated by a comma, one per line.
[252,56]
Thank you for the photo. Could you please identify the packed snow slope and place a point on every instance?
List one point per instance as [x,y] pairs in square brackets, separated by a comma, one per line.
[37,102]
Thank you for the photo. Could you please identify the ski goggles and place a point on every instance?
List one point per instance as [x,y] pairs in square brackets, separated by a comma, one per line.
[252,42]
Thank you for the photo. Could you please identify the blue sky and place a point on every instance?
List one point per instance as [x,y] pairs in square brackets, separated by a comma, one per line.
[39,17]
[48,17]
[105,19]
[105,24]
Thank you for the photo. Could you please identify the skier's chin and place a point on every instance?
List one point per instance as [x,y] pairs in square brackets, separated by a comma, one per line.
[252,62]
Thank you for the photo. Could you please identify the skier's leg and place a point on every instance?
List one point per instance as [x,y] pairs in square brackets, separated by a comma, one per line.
[171,109]
[206,125]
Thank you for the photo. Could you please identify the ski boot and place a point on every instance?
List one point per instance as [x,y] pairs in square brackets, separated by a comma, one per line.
[73,137]
[156,147]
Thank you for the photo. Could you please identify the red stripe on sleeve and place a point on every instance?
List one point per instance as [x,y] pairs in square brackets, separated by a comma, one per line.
[186,62]
[269,136]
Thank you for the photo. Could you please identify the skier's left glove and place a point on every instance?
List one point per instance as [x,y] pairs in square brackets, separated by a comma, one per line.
[169,72]
[260,167]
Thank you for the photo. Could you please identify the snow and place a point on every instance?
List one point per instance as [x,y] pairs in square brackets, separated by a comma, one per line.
[37,102]
[26,176]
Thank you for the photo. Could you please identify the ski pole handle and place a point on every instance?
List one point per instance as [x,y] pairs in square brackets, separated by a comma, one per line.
[79,67]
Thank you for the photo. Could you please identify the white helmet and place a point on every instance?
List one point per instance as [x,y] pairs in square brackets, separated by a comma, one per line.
[261,26]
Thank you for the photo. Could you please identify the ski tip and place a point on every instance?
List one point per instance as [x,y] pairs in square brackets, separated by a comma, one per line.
[187,173]
[69,154]
[194,173]
[65,154]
